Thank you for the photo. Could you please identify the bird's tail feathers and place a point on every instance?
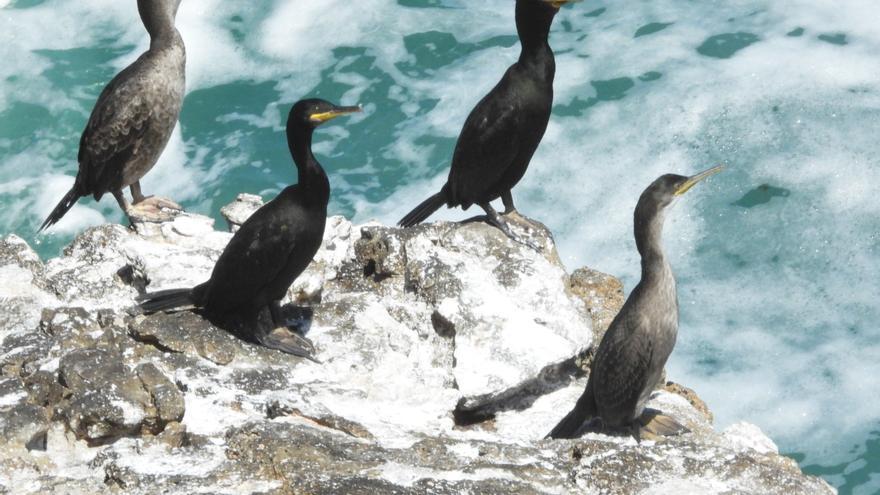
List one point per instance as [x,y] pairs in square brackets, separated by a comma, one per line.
[423,210]
[63,206]
[572,423]
[164,300]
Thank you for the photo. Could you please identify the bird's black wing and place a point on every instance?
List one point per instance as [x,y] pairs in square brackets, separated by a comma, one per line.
[620,370]
[254,257]
[486,146]
[114,132]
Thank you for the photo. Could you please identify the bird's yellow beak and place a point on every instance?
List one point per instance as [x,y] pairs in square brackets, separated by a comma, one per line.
[559,3]
[692,181]
[320,118]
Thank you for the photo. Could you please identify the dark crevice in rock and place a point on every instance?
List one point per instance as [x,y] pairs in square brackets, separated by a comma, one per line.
[470,418]
[115,476]
[371,251]
[43,389]
[298,317]
[370,268]
[134,276]
[409,284]
[153,341]
[38,442]
[276,410]
[442,325]
[109,439]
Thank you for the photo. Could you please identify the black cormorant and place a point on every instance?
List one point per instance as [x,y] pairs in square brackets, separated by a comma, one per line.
[503,131]
[133,120]
[272,248]
[631,356]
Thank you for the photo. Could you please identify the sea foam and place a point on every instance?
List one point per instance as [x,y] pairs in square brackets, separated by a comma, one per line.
[777,258]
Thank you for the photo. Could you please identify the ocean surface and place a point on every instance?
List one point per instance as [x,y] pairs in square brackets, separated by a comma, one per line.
[777,258]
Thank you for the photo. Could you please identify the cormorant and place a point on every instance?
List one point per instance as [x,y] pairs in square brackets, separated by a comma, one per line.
[133,120]
[503,131]
[271,249]
[631,356]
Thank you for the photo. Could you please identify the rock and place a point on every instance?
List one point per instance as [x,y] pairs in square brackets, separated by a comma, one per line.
[748,437]
[24,291]
[448,353]
[105,400]
[43,388]
[602,293]
[240,210]
[93,277]
[167,401]
[493,303]
[185,332]
[22,425]
[691,397]
[15,251]
[23,352]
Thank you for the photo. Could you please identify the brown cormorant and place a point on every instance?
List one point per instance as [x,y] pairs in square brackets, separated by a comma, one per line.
[272,248]
[631,356]
[503,131]
[133,120]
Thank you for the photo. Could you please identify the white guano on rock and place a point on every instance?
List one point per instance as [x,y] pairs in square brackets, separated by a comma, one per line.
[448,353]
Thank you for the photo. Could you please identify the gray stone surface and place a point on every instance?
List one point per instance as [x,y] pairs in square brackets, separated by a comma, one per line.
[239,210]
[448,353]
[105,400]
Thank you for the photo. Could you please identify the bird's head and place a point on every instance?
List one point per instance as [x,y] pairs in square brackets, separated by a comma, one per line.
[313,112]
[668,187]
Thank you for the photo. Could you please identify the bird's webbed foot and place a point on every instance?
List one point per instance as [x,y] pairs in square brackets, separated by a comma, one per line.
[147,209]
[153,210]
[494,219]
[159,202]
[653,425]
[285,340]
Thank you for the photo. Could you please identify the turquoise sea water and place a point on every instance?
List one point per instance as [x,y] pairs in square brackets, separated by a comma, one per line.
[777,259]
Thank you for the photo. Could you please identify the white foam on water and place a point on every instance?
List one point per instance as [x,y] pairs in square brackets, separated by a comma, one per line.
[785,343]
[788,373]
[786,357]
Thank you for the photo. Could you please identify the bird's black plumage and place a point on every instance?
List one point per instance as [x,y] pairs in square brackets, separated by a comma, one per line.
[134,116]
[275,245]
[632,353]
[503,131]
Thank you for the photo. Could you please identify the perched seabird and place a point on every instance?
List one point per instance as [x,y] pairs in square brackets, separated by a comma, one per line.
[631,356]
[271,249]
[503,131]
[132,121]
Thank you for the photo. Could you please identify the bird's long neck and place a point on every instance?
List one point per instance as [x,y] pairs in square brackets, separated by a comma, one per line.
[649,219]
[166,39]
[158,19]
[313,180]
[533,26]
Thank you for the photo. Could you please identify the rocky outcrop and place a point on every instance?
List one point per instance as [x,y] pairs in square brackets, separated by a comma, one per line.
[447,354]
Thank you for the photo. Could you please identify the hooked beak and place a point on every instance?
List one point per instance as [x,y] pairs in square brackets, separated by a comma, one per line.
[320,118]
[556,4]
[692,181]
